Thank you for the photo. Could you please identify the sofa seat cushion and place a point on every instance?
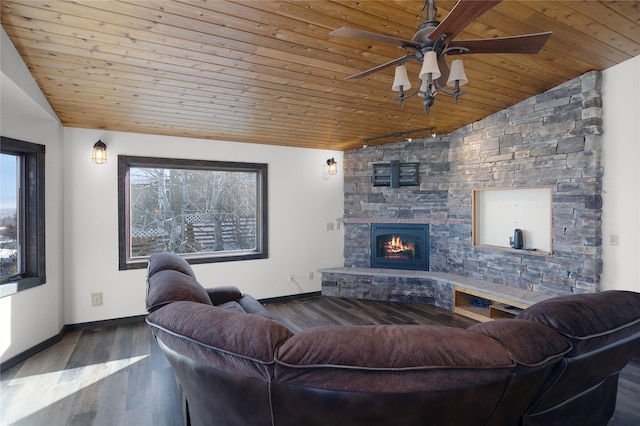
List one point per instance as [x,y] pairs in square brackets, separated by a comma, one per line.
[590,321]
[529,343]
[391,358]
[233,341]
[168,286]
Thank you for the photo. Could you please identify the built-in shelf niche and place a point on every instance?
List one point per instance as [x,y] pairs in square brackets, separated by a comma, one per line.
[498,212]
[483,306]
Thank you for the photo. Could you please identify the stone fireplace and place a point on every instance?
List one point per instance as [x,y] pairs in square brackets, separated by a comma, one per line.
[400,246]
[552,139]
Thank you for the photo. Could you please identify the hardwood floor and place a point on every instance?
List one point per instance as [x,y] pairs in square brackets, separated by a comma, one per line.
[118,376]
[108,376]
[317,311]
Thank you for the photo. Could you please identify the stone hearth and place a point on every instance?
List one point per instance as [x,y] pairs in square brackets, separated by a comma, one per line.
[425,287]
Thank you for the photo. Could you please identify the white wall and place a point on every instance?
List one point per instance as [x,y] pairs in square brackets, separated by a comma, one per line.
[302,199]
[621,181]
[34,315]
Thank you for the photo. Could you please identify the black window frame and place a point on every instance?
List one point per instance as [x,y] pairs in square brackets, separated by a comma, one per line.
[31,209]
[126,162]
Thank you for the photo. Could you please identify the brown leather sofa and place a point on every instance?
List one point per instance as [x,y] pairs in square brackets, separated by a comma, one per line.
[557,363]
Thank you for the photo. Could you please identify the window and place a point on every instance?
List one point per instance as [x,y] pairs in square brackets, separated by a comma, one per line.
[206,211]
[22,237]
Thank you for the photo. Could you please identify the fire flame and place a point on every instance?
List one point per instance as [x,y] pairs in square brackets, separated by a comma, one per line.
[396,248]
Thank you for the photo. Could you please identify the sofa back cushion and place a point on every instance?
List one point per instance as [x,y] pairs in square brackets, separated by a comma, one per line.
[529,343]
[168,261]
[236,342]
[589,321]
[391,358]
[168,286]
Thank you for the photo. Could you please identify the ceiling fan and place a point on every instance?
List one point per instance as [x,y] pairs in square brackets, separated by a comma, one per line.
[433,41]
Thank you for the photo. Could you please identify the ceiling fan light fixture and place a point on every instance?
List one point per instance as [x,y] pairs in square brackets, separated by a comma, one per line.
[424,86]
[427,102]
[430,66]
[426,89]
[457,74]
[401,80]
[433,41]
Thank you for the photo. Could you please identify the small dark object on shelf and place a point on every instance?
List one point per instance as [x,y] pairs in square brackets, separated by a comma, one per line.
[482,303]
[518,240]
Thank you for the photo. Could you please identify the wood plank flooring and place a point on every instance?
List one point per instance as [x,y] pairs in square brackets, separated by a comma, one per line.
[108,376]
[118,376]
[317,311]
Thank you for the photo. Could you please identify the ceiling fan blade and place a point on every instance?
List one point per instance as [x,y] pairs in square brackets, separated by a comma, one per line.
[366,35]
[530,43]
[379,67]
[462,14]
[444,71]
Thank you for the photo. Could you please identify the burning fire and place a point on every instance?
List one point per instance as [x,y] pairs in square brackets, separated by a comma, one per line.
[396,249]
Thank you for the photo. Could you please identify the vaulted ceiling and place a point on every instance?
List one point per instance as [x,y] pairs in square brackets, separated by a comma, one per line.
[269,72]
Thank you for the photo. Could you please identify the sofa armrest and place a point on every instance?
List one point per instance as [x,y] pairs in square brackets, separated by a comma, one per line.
[252,306]
[223,294]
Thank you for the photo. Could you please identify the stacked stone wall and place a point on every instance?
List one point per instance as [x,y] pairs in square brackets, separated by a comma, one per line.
[553,139]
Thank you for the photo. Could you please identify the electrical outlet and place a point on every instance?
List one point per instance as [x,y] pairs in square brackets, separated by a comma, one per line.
[614,239]
[311,275]
[96,299]
[290,277]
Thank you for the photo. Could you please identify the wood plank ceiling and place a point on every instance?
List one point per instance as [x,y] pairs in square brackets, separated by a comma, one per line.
[268,71]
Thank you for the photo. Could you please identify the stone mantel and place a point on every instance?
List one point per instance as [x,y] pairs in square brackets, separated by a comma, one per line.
[392,220]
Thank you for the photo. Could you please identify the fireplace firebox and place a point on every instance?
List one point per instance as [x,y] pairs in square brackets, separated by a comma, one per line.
[400,246]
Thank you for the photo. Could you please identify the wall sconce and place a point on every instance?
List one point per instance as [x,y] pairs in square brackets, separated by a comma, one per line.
[99,153]
[333,166]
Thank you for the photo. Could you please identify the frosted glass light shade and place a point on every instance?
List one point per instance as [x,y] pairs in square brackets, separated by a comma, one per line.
[401,79]
[457,73]
[333,166]
[99,155]
[423,88]
[430,66]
